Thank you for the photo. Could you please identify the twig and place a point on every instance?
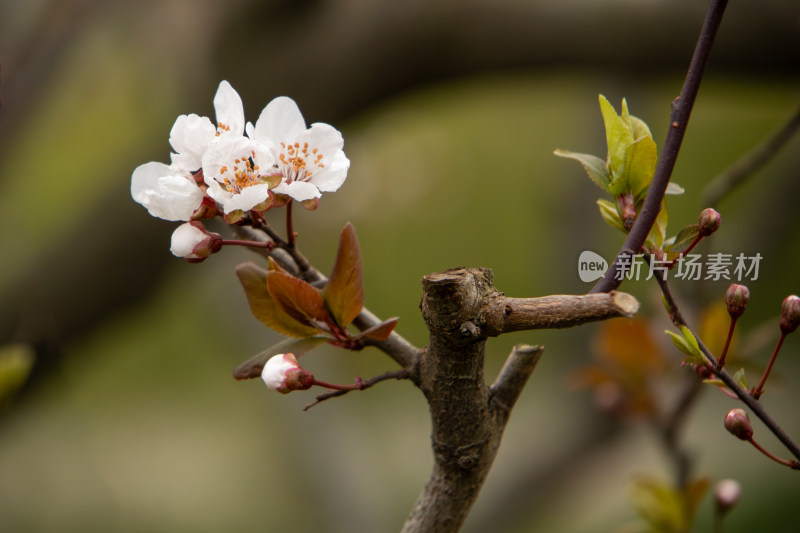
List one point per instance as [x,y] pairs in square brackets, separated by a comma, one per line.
[679,119]
[746,166]
[726,378]
[403,373]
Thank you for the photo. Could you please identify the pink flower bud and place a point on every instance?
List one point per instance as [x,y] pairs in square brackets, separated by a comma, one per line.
[708,222]
[790,314]
[282,373]
[736,298]
[193,242]
[727,493]
[738,423]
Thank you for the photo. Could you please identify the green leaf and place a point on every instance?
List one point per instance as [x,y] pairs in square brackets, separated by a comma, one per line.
[688,345]
[640,164]
[619,136]
[610,214]
[679,342]
[254,281]
[640,128]
[683,239]
[690,338]
[380,332]
[595,167]
[299,300]
[344,292]
[740,378]
[659,230]
[252,367]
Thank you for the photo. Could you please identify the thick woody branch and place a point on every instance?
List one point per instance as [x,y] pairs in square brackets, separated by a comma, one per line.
[462,309]
[505,315]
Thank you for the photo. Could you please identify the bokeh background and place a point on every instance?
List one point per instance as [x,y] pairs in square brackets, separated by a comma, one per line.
[125,415]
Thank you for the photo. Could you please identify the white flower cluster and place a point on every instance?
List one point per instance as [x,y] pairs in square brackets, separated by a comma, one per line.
[238,165]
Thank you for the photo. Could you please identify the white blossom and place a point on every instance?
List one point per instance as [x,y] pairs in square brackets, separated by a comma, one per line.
[166,192]
[310,160]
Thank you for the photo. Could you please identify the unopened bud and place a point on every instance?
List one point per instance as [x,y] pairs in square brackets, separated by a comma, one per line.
[282,373]
[193,242]
[736,299]
[708,222]
[627,210]
[704,371]
[727,493]
[790,314]
[738,423]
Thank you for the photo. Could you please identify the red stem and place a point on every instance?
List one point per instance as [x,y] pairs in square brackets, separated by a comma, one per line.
[795,465]
[358,385]
[721,361]
[269,245]
[759,390]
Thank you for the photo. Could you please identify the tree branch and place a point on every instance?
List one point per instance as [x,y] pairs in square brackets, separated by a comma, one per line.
[504,315]
[462,309]
[726,378]
[743,168]
[679,119]
[513,377]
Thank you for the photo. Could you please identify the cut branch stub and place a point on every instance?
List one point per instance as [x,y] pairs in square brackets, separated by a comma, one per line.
[462,309]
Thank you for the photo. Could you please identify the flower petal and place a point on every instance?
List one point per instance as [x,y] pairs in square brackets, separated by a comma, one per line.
[247,199]
[331,177]
[189,137]
[229,109]
[280,120]
[299,190]
[165,192]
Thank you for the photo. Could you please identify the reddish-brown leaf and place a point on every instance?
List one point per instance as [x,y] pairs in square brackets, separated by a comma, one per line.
[380,332]
[299,300]
[254,281]
[344,292]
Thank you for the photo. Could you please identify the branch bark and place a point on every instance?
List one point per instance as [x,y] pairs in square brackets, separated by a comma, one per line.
[462,310]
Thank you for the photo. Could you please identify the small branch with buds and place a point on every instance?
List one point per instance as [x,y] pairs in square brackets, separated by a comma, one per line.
[738,424]
[736,299]
[681,110]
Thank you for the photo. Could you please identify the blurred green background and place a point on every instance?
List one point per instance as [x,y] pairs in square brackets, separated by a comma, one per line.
[129,419]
